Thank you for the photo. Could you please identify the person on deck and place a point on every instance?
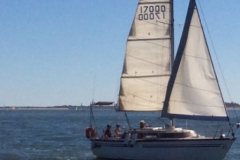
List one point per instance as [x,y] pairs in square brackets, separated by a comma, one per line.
[142,124]
[118,131]
[108,133]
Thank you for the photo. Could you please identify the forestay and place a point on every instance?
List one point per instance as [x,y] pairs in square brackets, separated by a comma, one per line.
[193,91]
[147,64]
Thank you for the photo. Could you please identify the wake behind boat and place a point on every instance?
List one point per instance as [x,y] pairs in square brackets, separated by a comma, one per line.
[188,87]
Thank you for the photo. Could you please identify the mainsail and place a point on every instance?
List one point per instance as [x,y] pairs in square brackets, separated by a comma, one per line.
[193,90]
[147,64]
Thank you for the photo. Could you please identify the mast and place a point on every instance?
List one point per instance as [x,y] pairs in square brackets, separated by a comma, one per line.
[172,33]
[172,123]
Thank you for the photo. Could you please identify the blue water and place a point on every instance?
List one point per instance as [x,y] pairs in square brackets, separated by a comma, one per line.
[60,134]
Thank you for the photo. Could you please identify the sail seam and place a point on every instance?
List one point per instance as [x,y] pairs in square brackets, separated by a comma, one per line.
[196,104]
[163,23]
[165,75]
[153,2]
[146,61]
[196,57]
[141,104]
[146,80]
[148,39]
[196,88]
[152,39]
[199,117]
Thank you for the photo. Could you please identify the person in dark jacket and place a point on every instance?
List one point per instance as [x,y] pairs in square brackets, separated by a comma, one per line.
[108,133]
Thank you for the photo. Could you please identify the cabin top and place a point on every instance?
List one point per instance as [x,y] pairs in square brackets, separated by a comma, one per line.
[103,103]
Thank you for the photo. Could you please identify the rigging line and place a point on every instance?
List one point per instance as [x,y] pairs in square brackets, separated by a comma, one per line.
[176,24]
[180,24]
[217,60]
[128,121]
[116,93]
[189,25]
[92,118]
[146,61]
[160,118]
[156,24]
[94,85]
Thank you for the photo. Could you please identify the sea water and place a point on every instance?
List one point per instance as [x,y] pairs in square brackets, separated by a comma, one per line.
[60,134]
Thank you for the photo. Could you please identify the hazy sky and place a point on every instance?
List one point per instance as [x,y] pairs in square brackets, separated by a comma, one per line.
[57,52]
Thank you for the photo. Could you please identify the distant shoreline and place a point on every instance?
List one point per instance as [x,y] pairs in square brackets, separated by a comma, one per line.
[65,107]
[43,108]
[231,108]
[85,108]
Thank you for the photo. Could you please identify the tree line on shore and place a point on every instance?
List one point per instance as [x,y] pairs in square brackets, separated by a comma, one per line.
[232,104]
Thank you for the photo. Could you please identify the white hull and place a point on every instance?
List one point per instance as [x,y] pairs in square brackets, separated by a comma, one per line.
[164,149]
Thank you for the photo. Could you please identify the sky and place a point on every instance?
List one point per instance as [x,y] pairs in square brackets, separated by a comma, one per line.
[70,52]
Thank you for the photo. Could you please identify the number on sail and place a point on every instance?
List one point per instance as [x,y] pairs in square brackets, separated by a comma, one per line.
[152,12]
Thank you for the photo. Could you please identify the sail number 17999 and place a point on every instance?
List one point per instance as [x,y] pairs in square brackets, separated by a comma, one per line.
[152,12]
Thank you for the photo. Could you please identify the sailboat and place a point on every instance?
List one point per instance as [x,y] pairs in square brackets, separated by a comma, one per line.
[184,88]
[80,108]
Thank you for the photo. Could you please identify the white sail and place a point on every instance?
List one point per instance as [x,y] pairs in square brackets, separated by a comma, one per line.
[147,64]
[193,90]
